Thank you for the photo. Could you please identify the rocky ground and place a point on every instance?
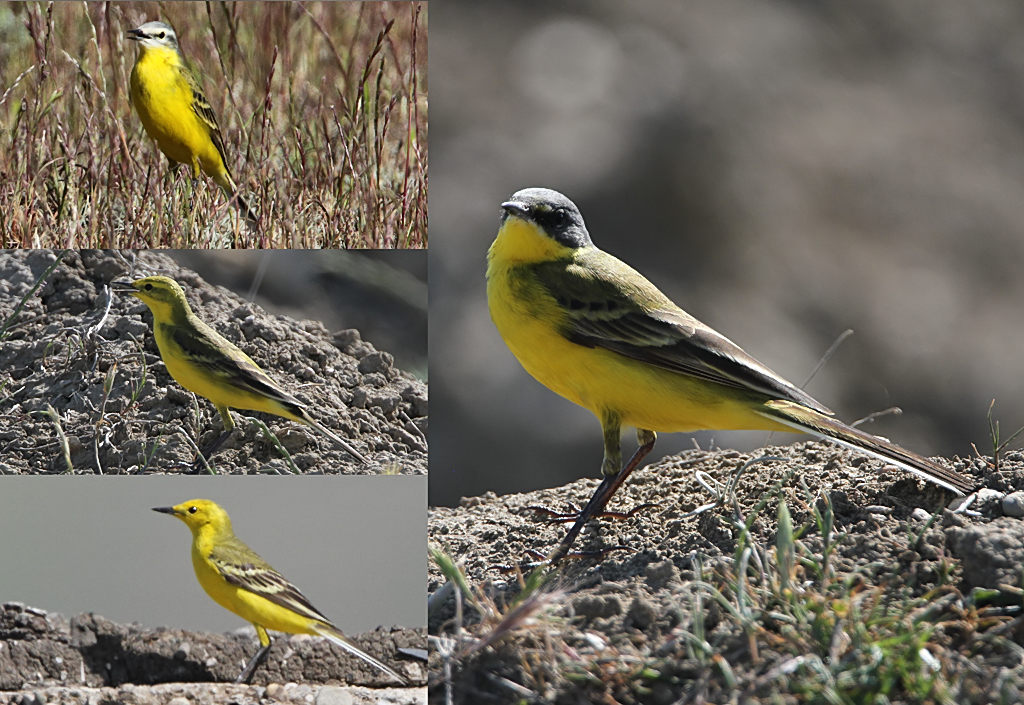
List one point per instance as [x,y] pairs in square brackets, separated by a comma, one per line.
[72,336]
[45,658]
[907,595]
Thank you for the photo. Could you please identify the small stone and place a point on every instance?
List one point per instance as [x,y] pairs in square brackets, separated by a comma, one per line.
[1013,504]
[178,701]
[183,650]
[346,337]
[920,514]
[379,362]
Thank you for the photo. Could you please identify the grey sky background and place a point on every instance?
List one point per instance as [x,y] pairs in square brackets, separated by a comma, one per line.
[354,545]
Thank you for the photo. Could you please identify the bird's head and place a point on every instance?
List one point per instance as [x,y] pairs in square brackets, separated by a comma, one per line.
[154,35]
[553,214]
[199,514]
[159,293]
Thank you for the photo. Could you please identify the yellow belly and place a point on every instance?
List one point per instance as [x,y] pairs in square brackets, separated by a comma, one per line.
[248,605]
[163,100]
[642,395]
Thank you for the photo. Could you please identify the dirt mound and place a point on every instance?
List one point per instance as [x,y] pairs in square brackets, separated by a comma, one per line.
[702,606]
[43,650]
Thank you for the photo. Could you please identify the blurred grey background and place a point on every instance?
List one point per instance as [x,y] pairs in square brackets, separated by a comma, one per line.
[355,546]
[382,294]
[783,170]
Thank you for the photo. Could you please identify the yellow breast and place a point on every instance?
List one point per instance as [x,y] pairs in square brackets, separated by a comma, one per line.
[163,97]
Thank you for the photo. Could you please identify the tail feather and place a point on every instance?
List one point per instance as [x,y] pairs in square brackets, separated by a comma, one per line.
[809,421]
[247,212]
[339,639]
[230,189]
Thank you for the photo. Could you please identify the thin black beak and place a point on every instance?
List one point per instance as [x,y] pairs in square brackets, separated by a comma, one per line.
[517,209]
[122,287]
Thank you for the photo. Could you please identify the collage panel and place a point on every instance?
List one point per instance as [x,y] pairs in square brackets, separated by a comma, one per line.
[104,597]
[139,355]
[725,346]
[230,124]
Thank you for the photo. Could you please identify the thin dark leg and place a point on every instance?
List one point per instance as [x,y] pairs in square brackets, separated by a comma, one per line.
[599,500]
[255,662]
[210,450]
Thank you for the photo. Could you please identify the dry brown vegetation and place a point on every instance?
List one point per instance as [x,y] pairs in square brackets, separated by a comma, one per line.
[322,107]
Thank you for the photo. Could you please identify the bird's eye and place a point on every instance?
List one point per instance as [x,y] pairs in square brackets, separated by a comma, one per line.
[148,287]
[193,509]
[160,36]
[558,217]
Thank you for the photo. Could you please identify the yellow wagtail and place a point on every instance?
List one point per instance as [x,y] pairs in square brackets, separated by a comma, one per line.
[239,580]
[174,111]
[594,330]
[204,362]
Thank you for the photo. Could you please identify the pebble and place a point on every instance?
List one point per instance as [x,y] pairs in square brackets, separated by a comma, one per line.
[333,695]
[1013,505]
[920,514]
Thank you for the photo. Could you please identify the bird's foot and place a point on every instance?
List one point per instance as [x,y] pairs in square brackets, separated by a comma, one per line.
[250,668]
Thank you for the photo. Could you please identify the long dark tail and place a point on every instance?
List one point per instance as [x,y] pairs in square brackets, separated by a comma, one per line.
[243,207]
[809,421]
[231,190]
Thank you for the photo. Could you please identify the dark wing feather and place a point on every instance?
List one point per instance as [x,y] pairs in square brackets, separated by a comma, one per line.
[204,347]
[202,108]
[240,566]
[648,327]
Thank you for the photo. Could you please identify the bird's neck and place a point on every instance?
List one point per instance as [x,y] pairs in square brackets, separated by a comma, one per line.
[521,242]
[160,55]
[209,535]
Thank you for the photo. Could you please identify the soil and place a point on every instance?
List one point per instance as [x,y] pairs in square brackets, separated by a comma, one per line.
[47,658]
[73,332]
[622,612]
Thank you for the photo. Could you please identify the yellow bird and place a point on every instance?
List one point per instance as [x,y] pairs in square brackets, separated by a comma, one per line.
[202,361]
[594,330]
[240,581]
[174,111]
